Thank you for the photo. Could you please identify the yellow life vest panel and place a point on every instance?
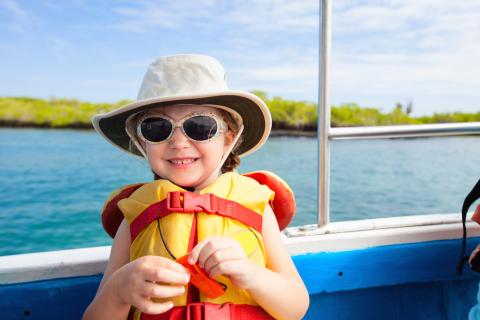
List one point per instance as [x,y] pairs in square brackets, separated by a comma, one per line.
[170,235]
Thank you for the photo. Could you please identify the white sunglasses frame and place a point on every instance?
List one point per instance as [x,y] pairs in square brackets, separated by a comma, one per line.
[179,124]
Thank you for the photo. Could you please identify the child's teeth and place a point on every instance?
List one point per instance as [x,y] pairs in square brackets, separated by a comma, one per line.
[186,161]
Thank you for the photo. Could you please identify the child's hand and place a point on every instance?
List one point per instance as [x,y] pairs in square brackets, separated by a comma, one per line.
[224,256]
[473,254]
[150,277]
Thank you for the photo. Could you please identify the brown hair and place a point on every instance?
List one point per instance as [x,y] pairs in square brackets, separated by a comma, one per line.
[232,161]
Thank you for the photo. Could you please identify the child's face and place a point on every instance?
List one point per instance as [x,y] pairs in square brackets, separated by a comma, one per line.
[198,159]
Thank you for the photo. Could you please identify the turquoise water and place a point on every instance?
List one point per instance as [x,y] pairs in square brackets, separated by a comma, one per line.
[53,182]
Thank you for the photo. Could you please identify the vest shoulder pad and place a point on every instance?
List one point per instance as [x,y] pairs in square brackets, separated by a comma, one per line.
[111,214]
[283,203]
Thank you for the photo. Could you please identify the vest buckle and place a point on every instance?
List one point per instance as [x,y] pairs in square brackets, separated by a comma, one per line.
[194,202]
[174,203]
[189,202]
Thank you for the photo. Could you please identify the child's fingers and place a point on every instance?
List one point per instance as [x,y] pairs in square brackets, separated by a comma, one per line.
[230,268]
[206,244]
[156,274]
[145,305]
[211,246]
[193,256]
[154,290]
[166,263]
[222,255]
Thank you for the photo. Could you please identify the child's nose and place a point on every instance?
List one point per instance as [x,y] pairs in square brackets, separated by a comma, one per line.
[178,140]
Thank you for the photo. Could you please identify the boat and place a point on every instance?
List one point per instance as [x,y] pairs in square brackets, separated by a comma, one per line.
[385,268]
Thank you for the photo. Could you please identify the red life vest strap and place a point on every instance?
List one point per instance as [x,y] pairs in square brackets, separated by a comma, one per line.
[211,311]
[189,202]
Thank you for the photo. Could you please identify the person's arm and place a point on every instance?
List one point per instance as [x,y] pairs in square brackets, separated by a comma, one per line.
[134,283]
[474,253]
[278,289]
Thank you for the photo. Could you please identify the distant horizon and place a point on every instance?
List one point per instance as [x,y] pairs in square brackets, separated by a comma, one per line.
[383,53]
[413,115]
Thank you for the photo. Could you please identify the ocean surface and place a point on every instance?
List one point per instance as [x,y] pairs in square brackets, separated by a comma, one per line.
[53,182]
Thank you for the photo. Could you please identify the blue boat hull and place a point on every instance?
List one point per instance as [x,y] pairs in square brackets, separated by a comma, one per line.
[404,281]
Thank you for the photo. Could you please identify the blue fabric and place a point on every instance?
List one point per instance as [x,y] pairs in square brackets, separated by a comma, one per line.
[474,313]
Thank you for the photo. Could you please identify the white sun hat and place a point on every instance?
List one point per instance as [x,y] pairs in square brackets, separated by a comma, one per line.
[189,79]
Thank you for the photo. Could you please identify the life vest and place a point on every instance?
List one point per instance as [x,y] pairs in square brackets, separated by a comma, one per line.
[168,221]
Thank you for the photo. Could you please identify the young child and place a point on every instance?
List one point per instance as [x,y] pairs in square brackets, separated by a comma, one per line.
[191,128]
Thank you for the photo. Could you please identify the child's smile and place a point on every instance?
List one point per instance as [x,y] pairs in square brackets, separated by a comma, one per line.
[182,163]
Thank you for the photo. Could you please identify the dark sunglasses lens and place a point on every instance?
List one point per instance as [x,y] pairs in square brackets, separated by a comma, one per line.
[155,129]
[200,128]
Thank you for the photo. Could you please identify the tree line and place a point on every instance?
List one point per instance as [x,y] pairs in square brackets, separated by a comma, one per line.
[286,114]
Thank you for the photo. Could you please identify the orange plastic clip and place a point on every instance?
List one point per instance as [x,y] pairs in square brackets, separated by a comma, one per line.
[476,215]
[200,279]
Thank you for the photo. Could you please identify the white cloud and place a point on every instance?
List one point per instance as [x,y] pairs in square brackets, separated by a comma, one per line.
[260,16]
[287,72]
[413,49]
[148,16]
[14,8]
[274,15]
[18,16]
[140,20]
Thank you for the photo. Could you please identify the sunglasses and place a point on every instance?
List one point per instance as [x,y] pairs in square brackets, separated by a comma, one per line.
[198,127]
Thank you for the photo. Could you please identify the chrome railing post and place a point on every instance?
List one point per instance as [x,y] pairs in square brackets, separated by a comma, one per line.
[324,118]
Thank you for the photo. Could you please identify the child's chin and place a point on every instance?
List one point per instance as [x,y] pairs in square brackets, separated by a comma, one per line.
[184,183]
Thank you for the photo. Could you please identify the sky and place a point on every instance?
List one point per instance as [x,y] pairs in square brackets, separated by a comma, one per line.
[383,52]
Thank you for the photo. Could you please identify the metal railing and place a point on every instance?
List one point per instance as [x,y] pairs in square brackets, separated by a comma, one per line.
[405,131]
[326,133]
[324,118]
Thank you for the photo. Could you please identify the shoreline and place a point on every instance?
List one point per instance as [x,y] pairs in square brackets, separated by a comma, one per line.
[87,126]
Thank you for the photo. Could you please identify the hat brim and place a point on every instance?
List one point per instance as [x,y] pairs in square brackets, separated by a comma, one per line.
[256,118]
